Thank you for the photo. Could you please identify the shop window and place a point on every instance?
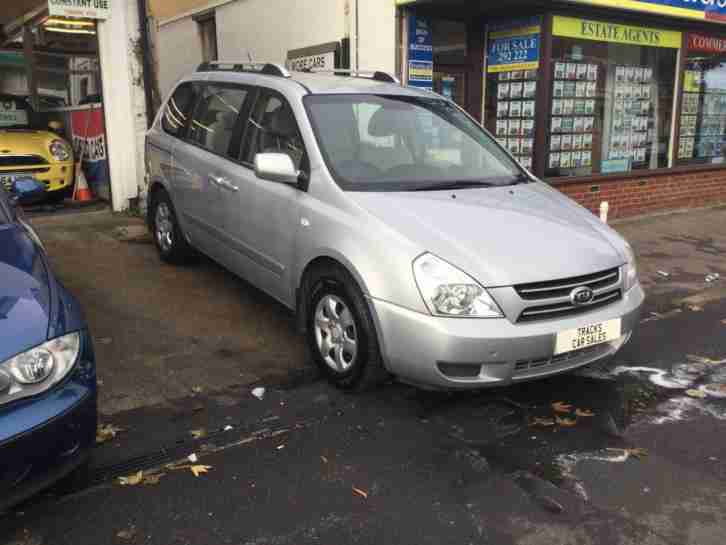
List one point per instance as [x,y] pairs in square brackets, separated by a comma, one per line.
[703,102]
[612,97]
[215,116]
[513,79]
[449,42]
[176,112]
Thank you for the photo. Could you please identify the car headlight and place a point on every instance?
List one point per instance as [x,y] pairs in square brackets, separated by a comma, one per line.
[630,269]
[449,292]
[59,150]
[38,369]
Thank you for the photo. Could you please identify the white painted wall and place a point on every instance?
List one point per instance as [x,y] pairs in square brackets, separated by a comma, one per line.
[377,34]
[124,103]
[178,50]
[269,28]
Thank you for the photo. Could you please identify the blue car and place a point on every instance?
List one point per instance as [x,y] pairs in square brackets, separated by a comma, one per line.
[47,366]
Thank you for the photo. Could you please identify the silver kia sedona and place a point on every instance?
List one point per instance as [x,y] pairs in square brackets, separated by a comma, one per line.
[405,238]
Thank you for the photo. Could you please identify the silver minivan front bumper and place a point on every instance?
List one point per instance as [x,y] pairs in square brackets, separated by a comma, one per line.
[462,353]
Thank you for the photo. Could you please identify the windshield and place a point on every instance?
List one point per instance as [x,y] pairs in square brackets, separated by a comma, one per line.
[14,113]
[402,143]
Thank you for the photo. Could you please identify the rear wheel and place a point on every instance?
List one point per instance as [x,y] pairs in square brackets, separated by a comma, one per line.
[170,242]
[340,333]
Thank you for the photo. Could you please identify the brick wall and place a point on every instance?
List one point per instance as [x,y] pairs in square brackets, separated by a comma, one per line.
[650,193]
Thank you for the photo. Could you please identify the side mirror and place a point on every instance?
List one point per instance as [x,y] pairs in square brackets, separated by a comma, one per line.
[26,190]
[55,125]
[276,167]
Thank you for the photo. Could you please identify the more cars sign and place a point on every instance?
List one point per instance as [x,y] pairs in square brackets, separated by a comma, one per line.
[321,57]
[87,9]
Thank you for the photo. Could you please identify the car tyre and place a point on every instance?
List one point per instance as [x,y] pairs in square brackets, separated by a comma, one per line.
[168,237]
[340,333]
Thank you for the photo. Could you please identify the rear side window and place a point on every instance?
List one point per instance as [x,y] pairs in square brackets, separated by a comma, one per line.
[272,129]
[176,112]
[215,117]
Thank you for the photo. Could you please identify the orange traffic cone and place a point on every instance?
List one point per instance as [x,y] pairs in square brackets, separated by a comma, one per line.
[81,191]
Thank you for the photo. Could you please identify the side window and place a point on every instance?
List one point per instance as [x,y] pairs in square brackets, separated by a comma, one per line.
[215,116]
[272,129]
[176,112]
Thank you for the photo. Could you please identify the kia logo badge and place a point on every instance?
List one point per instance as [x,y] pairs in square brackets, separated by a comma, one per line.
[582,296]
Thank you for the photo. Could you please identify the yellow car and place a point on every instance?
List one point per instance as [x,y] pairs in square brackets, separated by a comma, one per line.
[27,150]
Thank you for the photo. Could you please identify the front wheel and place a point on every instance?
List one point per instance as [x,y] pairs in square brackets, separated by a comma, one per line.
[340,332]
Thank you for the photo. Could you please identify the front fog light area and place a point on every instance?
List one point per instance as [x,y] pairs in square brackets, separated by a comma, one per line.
[38,369]
[448,291]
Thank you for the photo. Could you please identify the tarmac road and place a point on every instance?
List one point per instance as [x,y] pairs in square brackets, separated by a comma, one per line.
[310,465]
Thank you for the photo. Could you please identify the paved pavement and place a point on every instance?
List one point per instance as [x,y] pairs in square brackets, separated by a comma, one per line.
[308,464]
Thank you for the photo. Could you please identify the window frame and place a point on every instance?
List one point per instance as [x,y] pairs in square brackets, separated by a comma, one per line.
[236,131]
[192,105]
[262,93]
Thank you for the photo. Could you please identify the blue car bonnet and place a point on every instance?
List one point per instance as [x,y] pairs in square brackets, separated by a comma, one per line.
[25,293]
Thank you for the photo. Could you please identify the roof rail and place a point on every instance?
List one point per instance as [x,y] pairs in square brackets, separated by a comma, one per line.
[265,68]
[376,75]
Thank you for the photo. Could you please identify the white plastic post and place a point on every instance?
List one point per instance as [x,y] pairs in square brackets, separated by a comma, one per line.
[604,209]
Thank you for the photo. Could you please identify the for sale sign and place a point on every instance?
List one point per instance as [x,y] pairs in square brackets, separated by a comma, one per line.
[87,9]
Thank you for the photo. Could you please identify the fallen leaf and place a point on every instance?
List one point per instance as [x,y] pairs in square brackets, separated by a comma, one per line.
[197,389]
[637,452]
[695,308]
[585,413]
[566,422]
[199,434]
[536,421]
[126,535]
[280,447]
[561,407]
[324,459]
[131,480]
[360,492]
[697,394]
[198,469]
[152,479]
[106,432]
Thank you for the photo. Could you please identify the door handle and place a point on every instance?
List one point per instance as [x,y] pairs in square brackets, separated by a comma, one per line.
[223,182]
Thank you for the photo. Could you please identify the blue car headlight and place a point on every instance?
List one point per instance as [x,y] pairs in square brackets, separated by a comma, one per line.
[38,369]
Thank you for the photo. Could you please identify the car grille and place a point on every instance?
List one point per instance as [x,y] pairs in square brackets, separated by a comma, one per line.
[553,297]
[21,160]
[574,357]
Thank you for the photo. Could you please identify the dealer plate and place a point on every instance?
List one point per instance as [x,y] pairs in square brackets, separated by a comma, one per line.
[589,335]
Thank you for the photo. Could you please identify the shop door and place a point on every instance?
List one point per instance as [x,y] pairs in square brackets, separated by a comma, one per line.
[451,84]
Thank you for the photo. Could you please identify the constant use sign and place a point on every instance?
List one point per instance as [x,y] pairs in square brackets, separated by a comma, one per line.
[88,9]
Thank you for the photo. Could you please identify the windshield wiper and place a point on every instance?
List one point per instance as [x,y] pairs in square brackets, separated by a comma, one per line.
[444,186]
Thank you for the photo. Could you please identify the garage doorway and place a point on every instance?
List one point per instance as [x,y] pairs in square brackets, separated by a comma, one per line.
[49,68]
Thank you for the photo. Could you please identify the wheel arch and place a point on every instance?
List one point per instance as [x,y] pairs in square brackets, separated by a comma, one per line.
[331,259]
